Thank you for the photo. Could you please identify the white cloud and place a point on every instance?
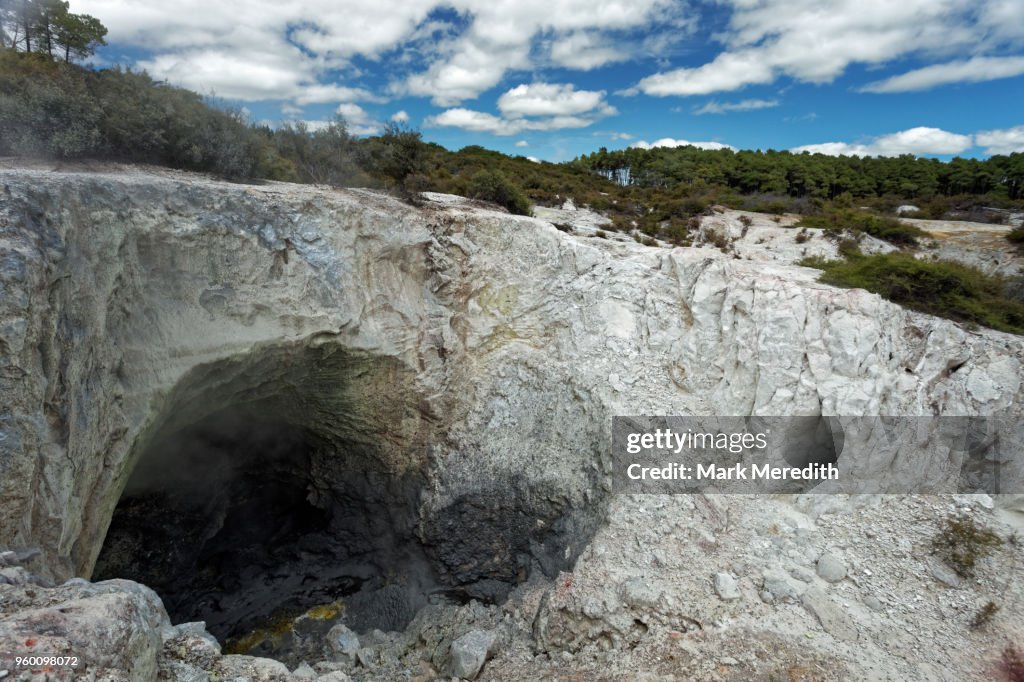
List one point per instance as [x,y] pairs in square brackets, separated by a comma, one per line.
[324,27]
[482,122]
[522,143]
[714,107]
[973,70]
[585,50]
[359,122]
[671,142]
[400,116]
[473,121]
[1004,141]
[248,77]
[917,141]
[312,125]
[537,106]
[468,72]
[613,134]
[501,34]
[253,49]
[727,72]
[552,99]
[815,41]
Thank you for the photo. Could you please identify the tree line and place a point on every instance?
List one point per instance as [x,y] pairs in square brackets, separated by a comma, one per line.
[811,175]
[47,26]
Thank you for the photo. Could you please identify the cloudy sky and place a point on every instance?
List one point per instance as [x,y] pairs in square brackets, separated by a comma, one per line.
[556,78]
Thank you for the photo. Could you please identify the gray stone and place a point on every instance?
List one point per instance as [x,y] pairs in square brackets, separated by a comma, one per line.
[250,668]
[304,672]
[801,574]
[781,585]
[366,657]
[943,573]
[470,651]
[342,641]
[639,593]
[112,626]
[334,676]
[833,619]
[830,568]
[179,671]
[726,587]
[873,603]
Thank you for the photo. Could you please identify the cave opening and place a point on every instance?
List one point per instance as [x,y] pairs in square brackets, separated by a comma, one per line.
[278,491]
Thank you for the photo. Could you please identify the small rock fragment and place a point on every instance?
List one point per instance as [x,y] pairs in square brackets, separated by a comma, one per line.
[304,672]
[781,586]
[832,618]
[469,652]
[944,574]
[725,586]
[831,568]
[334,676]
[638,593]
[343,641]
[365,657]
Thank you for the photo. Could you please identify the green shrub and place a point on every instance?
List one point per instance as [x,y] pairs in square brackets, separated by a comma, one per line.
[489,185]
[1016,236]
[399,157]
[939,288]
[882,227]
[324,156]
[961,542]
[62,111]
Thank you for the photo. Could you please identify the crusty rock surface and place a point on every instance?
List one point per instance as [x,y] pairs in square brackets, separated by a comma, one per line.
[509,345]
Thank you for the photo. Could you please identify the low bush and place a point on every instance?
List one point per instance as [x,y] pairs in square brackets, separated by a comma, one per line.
[63,111]
[961,542]
[939,288]
[489,185]
[1016,237]
[882,227]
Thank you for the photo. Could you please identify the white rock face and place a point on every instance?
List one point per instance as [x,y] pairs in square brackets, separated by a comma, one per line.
[526,339]
[764,238]
[511,345]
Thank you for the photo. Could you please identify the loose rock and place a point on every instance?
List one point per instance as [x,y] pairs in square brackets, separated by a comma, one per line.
[725,586]
[831,568]
[469,652]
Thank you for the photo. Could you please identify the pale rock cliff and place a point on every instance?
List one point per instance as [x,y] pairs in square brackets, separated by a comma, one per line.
[476,354]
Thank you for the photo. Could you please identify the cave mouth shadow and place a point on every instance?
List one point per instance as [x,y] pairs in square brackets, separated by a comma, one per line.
[276,488]
[280,492]
[228,521]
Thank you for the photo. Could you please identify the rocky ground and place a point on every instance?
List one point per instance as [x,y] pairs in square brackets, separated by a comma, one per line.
[673,588]
[540,334]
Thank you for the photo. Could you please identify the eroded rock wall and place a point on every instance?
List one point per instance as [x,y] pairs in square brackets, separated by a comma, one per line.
[518,341]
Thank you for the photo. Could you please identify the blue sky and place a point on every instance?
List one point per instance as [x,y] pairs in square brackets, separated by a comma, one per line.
[553,79]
